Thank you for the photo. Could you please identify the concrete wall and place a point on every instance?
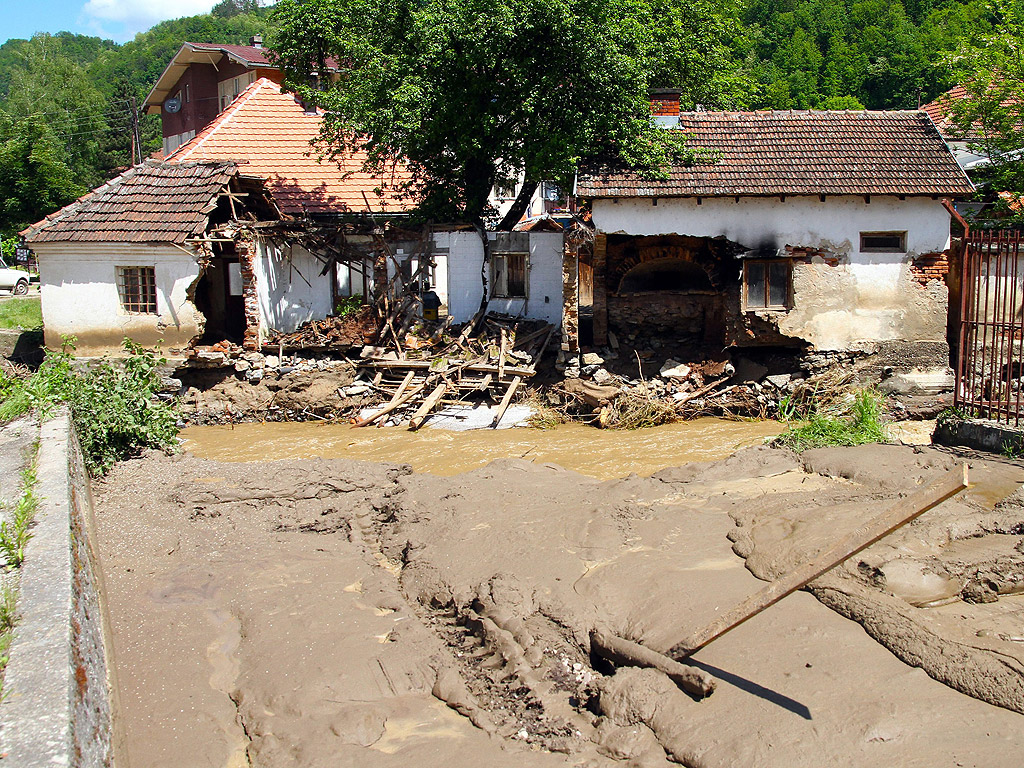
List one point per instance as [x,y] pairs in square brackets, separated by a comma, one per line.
[465,287]
[58,708]
[854,300]
[290,287]
[78,284]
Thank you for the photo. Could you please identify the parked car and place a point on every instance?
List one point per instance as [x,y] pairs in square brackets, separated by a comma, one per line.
[13,280]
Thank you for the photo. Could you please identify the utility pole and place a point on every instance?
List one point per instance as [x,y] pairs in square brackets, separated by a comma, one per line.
[136,140]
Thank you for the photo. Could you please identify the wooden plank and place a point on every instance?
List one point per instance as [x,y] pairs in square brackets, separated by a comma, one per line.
[506,400]
[625,652]
[404,365]
[502,345]
[897,514]
[400,391]
[391,406]
[428,405]
[485,383]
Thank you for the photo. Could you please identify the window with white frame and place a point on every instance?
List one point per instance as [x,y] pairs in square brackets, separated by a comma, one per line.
[136,287]
[766,283]
[508,275]
[229,89]
[883,242]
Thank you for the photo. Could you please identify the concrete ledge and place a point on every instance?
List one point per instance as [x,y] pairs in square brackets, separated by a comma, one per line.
[980,434]
[57,709]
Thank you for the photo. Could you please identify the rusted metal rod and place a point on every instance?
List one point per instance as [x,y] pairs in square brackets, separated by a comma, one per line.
[898,514]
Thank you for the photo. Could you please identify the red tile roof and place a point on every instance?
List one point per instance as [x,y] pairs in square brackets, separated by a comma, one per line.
[799,153]
[152,202]
[268,132]
[939,110]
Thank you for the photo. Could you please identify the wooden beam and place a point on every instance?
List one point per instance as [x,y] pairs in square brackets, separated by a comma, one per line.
[391,406]
[506,400]
[627,653]
[897,514]
[428,405]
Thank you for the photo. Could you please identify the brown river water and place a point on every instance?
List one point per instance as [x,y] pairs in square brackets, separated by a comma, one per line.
[603,454]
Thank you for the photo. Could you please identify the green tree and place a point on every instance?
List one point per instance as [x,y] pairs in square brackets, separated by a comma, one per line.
[480,91]
[34,179]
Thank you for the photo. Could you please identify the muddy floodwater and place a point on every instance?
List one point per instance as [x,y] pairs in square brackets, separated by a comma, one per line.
[602,454]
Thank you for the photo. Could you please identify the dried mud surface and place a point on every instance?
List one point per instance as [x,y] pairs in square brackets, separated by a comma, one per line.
[315,613]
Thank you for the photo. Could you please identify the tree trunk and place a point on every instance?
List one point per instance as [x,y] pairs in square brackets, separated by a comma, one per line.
[519,206]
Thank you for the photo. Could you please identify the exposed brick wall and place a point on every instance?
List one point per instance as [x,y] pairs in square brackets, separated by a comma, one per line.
[246,251]
[930,266]
[807,255]
[600,289]
[570,298]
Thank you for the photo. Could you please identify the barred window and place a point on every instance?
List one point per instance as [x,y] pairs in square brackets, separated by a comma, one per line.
[137,288]
[883,242]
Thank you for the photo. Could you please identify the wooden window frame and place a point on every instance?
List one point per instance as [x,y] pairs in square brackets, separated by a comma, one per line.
[747,306]
[136,289]
[901,234]
[502,292]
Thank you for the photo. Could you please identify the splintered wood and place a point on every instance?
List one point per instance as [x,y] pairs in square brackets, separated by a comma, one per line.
[488,358]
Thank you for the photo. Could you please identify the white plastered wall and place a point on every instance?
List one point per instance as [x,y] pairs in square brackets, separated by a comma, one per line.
[289,286]
[465,288]
[869,297]
[78,285]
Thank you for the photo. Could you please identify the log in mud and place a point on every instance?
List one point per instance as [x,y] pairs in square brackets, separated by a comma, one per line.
[337,612]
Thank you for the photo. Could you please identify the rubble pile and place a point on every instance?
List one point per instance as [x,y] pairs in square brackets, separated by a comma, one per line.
[330,333]
[434,364]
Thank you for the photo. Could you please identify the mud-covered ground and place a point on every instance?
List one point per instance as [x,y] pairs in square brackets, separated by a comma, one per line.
[339,613]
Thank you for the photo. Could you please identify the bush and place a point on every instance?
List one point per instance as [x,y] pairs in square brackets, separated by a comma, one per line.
[113,405]
[862,424]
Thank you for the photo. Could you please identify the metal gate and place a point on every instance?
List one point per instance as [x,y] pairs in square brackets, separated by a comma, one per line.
[990,371]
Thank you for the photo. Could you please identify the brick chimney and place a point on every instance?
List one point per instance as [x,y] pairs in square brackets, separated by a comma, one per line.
[665,106]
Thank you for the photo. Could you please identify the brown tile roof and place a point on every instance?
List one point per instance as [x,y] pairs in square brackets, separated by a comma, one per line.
[248,54]
[269,133]
[940,109]
[152,202]
[800,153]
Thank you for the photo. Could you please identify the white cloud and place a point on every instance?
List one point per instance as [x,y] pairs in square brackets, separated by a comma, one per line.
[139,15]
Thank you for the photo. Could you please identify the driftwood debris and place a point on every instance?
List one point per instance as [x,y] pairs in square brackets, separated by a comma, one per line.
[627,653]
[896,515]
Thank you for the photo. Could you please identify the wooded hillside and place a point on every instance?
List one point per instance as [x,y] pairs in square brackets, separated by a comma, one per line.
[65,99]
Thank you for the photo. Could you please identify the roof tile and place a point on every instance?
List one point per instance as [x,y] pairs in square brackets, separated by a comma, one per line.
[272,136]
[799,153]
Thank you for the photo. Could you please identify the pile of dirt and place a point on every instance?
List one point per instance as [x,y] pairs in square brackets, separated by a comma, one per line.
[318,612]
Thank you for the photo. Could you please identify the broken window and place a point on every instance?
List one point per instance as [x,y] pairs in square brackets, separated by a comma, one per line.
[883,242]
[508,275]
[766,283]
[136,287]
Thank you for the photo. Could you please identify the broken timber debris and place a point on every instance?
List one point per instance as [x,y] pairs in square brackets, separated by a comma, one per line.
[898,514]
[627,653]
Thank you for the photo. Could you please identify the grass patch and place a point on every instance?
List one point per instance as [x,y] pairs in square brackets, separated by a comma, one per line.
[21,314]
[860,424]
[14,533]
[113,404]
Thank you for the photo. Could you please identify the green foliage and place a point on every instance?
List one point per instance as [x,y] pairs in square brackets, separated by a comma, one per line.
[862,424]
[14,532]
[113,404]
[991,117]
[34,177]
[348,306]
[482,91]
[23,314]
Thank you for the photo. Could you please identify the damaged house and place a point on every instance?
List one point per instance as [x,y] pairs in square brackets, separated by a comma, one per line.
[244,231]
[809,232]
[133,258]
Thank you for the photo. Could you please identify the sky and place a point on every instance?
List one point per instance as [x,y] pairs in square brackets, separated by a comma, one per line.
[118,20]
